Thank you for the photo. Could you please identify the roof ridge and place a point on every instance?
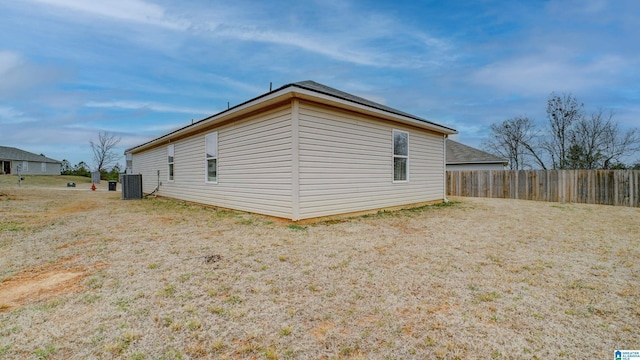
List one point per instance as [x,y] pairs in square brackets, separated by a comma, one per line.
[13,153]
[311,86]
[327,90]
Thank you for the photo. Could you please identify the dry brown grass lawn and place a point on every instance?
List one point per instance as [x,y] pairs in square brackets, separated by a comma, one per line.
[86,275]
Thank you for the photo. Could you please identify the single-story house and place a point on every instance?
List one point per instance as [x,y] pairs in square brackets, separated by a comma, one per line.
[304,150]
[13,160]
[463,157]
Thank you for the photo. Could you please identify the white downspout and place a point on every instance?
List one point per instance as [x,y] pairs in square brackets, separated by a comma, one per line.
[444,168]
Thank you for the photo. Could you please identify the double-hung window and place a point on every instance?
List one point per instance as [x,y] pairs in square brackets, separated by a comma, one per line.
[400,156]
[211,157]
[170,152]
[43,168]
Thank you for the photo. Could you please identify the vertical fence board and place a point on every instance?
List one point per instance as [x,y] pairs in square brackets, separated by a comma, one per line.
[610,187]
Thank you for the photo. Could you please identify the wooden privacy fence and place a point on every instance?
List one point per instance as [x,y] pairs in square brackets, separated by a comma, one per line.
[610,187]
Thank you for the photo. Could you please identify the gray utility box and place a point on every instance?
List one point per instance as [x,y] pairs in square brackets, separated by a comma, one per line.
[131,186]
[95,177]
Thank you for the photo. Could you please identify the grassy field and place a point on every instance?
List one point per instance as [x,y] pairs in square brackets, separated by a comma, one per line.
[84,274]
[31,181]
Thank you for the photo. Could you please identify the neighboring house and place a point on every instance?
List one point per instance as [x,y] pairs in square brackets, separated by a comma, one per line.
[302,151]
[12,160]
[463,157]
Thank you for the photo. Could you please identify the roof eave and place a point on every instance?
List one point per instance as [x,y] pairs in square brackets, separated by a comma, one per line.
[389,115]
[267,99]
[476,162]
[281,94]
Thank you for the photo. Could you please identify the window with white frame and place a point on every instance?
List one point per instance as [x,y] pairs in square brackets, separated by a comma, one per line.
[170,151]
[400,155]
[43,167]
[211,157]
[25,166]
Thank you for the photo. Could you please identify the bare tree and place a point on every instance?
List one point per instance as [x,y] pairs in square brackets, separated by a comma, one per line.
[562,112]
[571,140]
[598,143]
[514,139]
[103,154]
[616,144]
[587,138]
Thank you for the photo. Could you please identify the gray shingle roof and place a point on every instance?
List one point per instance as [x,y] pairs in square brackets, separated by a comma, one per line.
[307,85]
[462,154]
[323,89]
[11,153]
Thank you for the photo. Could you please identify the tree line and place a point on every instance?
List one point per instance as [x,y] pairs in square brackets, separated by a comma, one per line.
[103,157]
[570,139]
[83,169]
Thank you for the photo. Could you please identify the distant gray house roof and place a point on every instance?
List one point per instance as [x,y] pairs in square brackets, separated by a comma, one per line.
[462,154]
[11,153]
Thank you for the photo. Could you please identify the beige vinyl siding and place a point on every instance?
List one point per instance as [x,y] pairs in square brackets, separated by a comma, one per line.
[346,163]
[35,168]
[148,163]
[254,166]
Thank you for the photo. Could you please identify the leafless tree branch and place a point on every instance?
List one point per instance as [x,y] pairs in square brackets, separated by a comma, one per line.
[103,154]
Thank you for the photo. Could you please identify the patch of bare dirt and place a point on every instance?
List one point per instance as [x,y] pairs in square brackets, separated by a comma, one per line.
[41,284]
[320,332]
[80,206]
[30,289]
[75,243]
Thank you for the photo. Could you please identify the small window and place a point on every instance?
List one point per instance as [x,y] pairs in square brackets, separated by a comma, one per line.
[170,150]
[211,157]
[400,155]
[43,168]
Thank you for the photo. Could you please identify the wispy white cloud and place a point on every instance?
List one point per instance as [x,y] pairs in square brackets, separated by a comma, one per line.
[8,112]
[163,128]
[334,48]
[349,38]
[228,82]
[127,10]
[535,74]
[9,60]
[9,115]
[138,105]
[18,74]
[146,129]
[578,7]
[360,46]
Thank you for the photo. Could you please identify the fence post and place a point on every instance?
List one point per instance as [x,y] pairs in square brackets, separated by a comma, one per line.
[517,184]
[616,182]
[561,188]
[631,188]
[575,185]
[490,183]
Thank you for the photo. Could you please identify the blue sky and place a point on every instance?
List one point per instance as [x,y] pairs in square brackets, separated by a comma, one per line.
[140,68]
